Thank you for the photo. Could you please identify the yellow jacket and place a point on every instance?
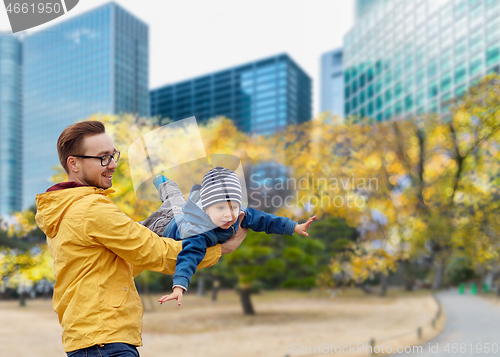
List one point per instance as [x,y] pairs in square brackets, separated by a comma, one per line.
[97,251]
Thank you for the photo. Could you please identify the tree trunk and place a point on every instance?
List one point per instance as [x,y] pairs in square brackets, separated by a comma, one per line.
[22,299]
[439,278]
[215,290]
[246,302]
[384,284]
[150,298]
[201,286]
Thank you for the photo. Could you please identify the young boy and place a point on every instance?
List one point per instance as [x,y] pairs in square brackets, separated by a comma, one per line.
[210,216]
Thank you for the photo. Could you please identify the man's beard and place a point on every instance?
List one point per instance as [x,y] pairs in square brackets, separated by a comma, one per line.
[94,182]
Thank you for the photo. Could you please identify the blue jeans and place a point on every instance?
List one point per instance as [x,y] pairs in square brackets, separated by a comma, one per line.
[108,350]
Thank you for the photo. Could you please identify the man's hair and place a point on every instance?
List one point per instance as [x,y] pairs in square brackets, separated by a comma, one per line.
[71,140]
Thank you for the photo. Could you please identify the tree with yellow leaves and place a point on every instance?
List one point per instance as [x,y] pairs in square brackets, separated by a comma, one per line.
[411,186]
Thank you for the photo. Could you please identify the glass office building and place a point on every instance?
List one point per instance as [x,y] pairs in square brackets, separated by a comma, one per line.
[260,97]
[94,63]
[10,124]
[406,57]
[332,83]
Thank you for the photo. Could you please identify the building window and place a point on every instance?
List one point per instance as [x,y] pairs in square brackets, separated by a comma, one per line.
[370,91]
[419,57]
[362,98]
[460,90]
[476,65]
[362,81]
[409,84]
[460,73]
[492,29]
[398,108]
[432,68]
[433,89]
[476,41]
[379,85]
[379,102]
[362,112]
[408,64]
[398,90]
[354,103]
[446,16]
[370,109]
[397,72]
[460,8]
[445,102]
[369,74]
[446,60]
[347,91]
[476,15]
[445,81]
[354,86]
[388,113]
[388,96]
[460,50]
[420,77]
[408,102]
[433,106]
[388,78]
[492,55]
[492,5]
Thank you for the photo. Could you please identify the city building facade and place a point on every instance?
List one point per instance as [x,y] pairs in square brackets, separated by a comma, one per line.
[407,57]
[260,97]
[10,124]
[332,83]
[94,63]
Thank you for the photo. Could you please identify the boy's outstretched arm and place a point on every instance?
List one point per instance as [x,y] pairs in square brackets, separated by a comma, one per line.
[302,228]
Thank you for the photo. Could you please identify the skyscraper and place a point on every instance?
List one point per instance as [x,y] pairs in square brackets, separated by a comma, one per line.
[94,63]
[404,58]
[10,124]
[332,83]
[260,97]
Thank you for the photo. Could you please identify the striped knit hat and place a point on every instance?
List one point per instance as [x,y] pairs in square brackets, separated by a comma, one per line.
[220,185]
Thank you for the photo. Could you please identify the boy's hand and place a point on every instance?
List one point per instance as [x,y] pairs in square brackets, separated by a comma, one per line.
[302,228]
[176,295]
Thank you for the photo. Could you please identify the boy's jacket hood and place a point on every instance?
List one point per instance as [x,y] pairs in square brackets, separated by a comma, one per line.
[52,205]
[195,220]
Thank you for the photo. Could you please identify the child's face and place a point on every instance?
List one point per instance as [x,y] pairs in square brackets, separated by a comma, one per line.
[223,214]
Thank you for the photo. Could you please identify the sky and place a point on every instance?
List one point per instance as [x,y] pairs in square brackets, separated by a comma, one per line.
[195,37]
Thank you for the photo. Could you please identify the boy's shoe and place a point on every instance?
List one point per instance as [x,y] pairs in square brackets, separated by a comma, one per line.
[159,179]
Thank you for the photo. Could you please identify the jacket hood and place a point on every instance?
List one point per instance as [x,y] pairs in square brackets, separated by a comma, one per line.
[195,220]
[52,205]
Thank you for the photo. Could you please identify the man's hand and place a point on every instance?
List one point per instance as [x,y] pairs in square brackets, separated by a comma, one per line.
[234,242]
[176,295]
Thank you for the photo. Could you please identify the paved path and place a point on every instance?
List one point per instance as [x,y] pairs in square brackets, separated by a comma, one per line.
[470,320]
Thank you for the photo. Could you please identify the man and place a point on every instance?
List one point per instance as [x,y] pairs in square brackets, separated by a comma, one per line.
[98,250]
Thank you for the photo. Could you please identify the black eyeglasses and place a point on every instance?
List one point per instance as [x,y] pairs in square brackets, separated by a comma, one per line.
[105,159]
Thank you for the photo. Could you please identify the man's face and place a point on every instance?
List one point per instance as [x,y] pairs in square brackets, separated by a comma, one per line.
[92,173]
[223,214]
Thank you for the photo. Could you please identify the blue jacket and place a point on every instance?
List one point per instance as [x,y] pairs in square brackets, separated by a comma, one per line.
[197,232]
